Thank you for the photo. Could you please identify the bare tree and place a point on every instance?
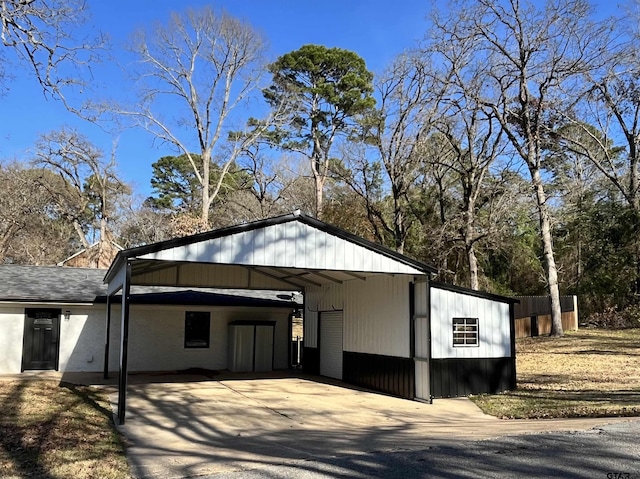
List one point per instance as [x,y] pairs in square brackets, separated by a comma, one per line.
[410,97]
[532,52]
[193,76]
[474,141]
[41,35]
[90,189]
[30,230]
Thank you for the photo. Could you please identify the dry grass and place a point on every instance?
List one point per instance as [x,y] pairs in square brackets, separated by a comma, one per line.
[587,373]
[49,430]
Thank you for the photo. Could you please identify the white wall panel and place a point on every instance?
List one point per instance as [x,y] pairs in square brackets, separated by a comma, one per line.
[375,313]
[12,331]
[494,325]
[156,337]
[291,244]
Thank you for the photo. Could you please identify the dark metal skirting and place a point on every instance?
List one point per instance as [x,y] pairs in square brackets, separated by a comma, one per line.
[388,374]
[311,363]
[461,377]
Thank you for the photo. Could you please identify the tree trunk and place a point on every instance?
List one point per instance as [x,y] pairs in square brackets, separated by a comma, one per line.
[319,187]
[547,248]
[473,267]
[206,173]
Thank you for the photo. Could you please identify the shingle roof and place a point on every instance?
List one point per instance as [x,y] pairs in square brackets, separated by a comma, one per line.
[50,283]
[63,284]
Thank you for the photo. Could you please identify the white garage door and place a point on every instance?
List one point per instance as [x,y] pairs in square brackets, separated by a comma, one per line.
[331,344]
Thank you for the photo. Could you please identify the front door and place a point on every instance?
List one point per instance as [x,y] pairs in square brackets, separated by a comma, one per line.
[41,339]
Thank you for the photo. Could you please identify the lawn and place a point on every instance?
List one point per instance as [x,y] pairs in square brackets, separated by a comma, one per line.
[51,430]
[586,373]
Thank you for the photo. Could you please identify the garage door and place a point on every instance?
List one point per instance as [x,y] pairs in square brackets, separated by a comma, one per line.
[331,344]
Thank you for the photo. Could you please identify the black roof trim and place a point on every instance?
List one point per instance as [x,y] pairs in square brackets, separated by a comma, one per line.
[473,292]
[230,230]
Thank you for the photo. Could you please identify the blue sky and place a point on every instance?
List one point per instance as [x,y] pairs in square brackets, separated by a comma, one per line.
[375,29]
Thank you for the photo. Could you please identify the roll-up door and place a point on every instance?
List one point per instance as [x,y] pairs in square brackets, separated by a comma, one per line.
[331,344]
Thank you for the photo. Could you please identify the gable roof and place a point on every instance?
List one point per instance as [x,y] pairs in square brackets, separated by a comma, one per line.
[294,249]
[59,284]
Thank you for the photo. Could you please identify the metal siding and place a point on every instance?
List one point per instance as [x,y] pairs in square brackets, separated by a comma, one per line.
[210,275]
[310,329]
[438,322]
[117,281]
[422,380]
[461,377]
[295,244]
[377,316]
[389,374]
[493,319]
[331,344]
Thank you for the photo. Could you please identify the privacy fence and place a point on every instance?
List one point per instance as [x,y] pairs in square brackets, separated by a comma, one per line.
[533,315]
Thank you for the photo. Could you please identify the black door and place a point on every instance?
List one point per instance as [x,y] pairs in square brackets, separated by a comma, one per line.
[41,336]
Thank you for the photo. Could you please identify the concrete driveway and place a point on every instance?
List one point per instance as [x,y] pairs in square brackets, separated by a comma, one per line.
[200,426]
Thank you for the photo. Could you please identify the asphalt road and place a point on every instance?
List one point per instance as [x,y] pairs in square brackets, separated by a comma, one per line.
[609,452]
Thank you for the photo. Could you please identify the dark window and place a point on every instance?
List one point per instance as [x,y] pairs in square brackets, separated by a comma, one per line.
[196,329]
[465,332]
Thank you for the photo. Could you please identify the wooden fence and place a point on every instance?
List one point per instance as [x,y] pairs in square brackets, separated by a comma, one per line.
[533,315]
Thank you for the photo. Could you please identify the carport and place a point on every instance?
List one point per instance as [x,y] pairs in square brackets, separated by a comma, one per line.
[350,286]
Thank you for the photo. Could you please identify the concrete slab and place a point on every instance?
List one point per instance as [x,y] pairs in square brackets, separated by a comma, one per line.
[185,429]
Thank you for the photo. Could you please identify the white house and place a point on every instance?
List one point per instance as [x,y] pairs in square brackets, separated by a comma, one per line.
[372,317]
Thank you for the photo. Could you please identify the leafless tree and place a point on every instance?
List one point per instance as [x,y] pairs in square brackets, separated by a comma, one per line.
[474,141]
[30,230]
[532,52]
[193,76]
[409,99]
[90,189]
[41,35]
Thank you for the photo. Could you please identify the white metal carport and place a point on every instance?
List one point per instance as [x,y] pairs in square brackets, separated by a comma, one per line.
[290,252]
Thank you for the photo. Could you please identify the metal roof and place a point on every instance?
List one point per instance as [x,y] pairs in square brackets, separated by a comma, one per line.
[290,251]
[473,292]
[61,284]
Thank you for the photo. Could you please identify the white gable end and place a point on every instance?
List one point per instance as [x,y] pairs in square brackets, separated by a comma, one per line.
[287,245]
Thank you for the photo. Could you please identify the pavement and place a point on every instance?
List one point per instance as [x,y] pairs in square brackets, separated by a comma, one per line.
[181,426]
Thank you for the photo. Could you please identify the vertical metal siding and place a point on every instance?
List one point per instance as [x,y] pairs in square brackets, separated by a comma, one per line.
[377,316]
[423,390]
[291,244]
[494,324]
[421,339]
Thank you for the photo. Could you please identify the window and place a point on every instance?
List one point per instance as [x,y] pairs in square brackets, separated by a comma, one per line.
[465,332]
[196,329]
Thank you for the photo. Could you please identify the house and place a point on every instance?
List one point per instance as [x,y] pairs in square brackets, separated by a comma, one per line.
[372,317]
[97,255]
[53,318]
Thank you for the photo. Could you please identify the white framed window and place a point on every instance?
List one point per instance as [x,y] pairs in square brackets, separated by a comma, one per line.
[465,332]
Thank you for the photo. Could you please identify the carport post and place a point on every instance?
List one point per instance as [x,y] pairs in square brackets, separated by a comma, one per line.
[106,340]
[124,341]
